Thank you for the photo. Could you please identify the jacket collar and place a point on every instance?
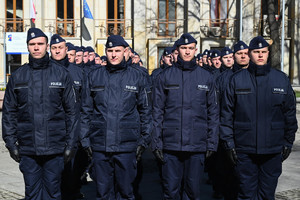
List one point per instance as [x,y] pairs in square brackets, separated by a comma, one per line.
[186,65]
[41,63]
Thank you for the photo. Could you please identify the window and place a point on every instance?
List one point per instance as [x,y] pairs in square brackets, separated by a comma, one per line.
[167,18]
[65,17]
[115,17]
[14,15]
[218,18]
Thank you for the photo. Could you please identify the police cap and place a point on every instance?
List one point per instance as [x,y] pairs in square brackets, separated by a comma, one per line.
[114,41]
[258,43]
[215,53]
[240,45]
[55,39]
[226,51]
[185,39]
[33,33]
[70,46]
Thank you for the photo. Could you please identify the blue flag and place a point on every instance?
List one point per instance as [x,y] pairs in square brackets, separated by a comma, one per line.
[86,10]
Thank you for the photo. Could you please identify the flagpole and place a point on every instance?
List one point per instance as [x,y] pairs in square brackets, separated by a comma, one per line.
[81,22]
[4,58]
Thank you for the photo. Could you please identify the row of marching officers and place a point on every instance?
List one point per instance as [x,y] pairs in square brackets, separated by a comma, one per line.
[117,110]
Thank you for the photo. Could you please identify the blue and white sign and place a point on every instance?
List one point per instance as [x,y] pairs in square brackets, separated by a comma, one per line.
[16,42]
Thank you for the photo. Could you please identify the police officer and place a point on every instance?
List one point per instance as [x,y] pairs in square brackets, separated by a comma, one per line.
[175,52]
[200,59]
[97,59]
[39,119]
[185,122]
[79,57]
[167,61]
[227,59]
[116,122]
[258,123]
[71,52]
[103,60]
[73,170]
[241,54]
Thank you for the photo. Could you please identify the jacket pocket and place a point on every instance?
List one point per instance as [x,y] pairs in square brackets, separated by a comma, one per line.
[129,132]
[241,91]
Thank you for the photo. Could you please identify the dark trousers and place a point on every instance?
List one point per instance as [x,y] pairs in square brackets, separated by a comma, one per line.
[42,176]
[182,174]
[114,175]
[258,175]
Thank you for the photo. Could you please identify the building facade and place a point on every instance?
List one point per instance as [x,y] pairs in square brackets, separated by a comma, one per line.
[148,25]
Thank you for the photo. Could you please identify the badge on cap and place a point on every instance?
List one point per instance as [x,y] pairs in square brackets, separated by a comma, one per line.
[242,47]
[216,54]
[110,44]
[32,35]
[227,52]
[186,40]
[57,40]
[260,45]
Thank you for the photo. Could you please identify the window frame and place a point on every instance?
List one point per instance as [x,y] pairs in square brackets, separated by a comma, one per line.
[166,21]
[65,21]
[115,21]
[14,20]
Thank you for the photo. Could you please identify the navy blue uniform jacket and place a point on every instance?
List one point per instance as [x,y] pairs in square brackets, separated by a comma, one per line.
[39,114]
[258,114]
[185,112]
[117,115]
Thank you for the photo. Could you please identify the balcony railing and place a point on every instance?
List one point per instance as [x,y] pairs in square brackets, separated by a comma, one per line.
[165,28]
[219,28]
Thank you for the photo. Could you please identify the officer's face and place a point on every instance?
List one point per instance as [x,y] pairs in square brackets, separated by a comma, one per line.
[98,61]
[204,59]
[187,52]
[216,62]
[228,60]
[175,55]
[38,47]
[200,62]
[58,51]
[242,57]
[259,56]
[92,56]
[86,57]
[71,56]
[168,59]
[115,55]
[79,57]
[127,54]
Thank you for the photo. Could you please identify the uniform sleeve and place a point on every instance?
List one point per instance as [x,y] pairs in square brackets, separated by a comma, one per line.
[145,111]
[71,111]
[9,116]
[212,118]
[159,98]
[87,109]
[226,118]
[289,110]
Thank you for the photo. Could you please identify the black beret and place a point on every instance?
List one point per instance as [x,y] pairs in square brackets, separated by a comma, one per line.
[77,49]
[168,51]
[70,46]
[215,53]
[55,39]
[206,52]
[97,55]
[258,43]
[185,39]
[200,56]
[240,45]
[226,51]
[103,58]
[33,33]
[115,40]
[174,46]
[89,49]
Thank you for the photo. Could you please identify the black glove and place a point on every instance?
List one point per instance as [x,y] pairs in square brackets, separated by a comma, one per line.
[159,156]
[89,152]
[14,154]
[209,154]
[285,152]
[139,151]
[68,154]
[232,156]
